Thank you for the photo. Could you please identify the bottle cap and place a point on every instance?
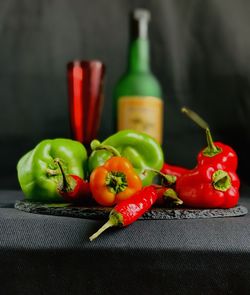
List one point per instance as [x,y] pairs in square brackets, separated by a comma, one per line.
[141,14]
[139,23]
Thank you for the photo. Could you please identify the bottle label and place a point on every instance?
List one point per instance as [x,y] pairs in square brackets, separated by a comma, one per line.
[141,113]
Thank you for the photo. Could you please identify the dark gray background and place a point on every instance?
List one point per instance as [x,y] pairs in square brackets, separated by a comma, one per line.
[200,52]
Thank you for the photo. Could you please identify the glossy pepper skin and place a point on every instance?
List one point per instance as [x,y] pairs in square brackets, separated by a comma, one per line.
[129,210]
[223,155]
[224,158]
[215,152]
[72,187]
[166,194]
[140,149]
[38,173]
[177,171]
[208,187]
[78,192]
[114,181]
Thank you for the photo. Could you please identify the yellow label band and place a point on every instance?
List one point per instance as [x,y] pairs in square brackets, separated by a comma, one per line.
[144,114]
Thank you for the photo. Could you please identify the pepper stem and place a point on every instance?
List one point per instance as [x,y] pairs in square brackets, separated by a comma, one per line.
[116,181]
[171,194]
[211,150]
[171,179]
[221,180]
[195,118]
[108,224]
[97,145]
[52,172]
[113,221]
[65,183]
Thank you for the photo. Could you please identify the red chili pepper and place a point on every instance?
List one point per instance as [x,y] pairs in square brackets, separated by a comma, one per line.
[177,171]
[217,154]
[73,188]
[209,187]
[165,194]
[129,210]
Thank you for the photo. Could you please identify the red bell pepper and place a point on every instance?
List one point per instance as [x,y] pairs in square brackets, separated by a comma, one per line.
[216,153]
[209,187]
[224,157]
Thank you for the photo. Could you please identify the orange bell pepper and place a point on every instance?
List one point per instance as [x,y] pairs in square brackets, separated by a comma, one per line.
[114,181]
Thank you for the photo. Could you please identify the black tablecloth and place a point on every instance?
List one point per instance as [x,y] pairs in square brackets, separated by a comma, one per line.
[42,254]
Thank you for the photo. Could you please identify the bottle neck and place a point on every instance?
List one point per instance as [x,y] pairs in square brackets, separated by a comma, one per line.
[139,59]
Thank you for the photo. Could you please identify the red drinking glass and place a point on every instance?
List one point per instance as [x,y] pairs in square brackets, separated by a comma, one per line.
[85,88]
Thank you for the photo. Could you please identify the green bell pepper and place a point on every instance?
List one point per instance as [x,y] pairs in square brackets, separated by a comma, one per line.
[139,148]
[38,172]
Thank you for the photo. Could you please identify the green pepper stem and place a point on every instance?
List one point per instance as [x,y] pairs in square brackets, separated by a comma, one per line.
[171,194]
[221,180]
[171,179]
[195,118]
[66,184]
[211,149]
[110,223]
[116,182]
[52,172]
[97,145]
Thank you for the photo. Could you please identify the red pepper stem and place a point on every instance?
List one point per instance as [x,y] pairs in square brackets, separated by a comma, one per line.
[210,143]
[171,194]
[108,224]
[97,145]
[195,118]
[221,180]
[171,179]
[66,184]
[211,149]
[113,221]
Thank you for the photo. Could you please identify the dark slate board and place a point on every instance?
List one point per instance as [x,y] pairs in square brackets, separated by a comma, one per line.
[91,212]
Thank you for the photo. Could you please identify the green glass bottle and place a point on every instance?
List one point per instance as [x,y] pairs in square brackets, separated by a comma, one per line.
[138,96]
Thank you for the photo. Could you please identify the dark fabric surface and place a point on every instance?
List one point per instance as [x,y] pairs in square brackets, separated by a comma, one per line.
[52,255]
[199,49]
